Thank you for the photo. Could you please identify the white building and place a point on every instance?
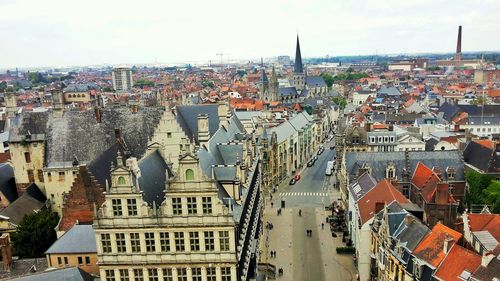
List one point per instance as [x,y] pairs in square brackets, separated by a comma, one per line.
[122,79]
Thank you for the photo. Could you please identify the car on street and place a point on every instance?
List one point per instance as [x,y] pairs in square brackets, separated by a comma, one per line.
[297,177]
[332,147]
[292,181]
[310,163]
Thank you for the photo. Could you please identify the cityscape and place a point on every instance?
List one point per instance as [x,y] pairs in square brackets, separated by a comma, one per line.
[352,166]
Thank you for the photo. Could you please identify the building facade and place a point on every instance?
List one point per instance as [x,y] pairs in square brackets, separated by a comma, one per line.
[122,79]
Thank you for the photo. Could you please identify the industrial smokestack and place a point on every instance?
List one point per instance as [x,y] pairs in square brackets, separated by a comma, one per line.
[458,54]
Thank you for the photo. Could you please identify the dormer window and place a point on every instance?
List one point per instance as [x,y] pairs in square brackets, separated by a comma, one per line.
[189,175]
[390,172]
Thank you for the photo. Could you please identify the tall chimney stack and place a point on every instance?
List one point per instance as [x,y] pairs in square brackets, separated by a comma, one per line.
[458,54]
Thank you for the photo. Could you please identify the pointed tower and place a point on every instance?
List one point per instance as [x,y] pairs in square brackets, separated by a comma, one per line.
[273,87]
[264,82]
[298,70]
[458,54]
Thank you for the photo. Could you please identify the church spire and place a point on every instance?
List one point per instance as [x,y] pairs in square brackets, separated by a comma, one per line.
[298,58]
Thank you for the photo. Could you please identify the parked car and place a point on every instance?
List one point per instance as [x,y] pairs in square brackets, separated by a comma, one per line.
[310,163]
[332,147]
[297,177]
[292,181]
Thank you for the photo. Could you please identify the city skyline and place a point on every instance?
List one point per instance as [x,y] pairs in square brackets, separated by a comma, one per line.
[56,33]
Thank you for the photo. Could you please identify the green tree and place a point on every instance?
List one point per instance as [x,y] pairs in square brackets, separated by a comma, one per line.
[328,78]
[144,82]
[35,234]
[3,86]
[340,101]
[492,196]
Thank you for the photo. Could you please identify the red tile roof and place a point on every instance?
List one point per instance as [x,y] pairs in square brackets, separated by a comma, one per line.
[430,248]
[485,222]
[423,175]
[486,143]
[384,192]
[458,260]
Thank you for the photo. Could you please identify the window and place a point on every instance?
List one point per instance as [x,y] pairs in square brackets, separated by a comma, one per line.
[179,241]
[132,207]
[224,240]
[209,241]
[27,157]
[110,275]
[80,260]
[191,204]
[117,207]
[169,134]
[177,205]
[153,274]
[189,175]
[121,181]
[31,176]
[164,242]
[59,261]
[40,175]
[87,260]
[120,242]
[196,273]
[124,275]
[135,243]
[225,273]
[49,175]
[194,241]
[138,274]
[106,243]
[61,176]
[150,241]
[207,205]
[211,274]
[66,260]
[182,274]
[167,274]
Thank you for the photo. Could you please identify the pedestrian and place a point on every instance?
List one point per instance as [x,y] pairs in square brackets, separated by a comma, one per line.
[322,226]
[300,212]
[272,204]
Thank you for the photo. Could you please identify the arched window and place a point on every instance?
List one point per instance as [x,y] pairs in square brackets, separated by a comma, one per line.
[189,175]
[121,180]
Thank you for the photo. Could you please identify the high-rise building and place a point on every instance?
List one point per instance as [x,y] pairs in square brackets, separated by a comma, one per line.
[122,79]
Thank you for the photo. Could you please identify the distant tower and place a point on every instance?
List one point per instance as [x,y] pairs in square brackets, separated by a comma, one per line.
[273,86]
[122,79]
[298,70]
[264,82]
[10,104]
[458,54]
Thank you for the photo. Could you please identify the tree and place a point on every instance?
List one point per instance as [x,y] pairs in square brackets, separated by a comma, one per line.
[144,82]
[328,79]
[35,234]
[492,196]
[340,101]
[3,86]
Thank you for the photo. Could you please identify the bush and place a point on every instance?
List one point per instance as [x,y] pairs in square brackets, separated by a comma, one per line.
[345,250]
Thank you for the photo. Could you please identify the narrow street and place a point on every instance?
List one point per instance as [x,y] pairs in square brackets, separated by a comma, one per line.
[302,257]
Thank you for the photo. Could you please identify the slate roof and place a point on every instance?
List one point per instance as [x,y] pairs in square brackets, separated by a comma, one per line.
[80,87]
[315,81]
[449,111]
[485,120]
[481,157]
[79,134]
[65,274]
[78,239]
[154,174]
[26,204]
[362,185]
[378,162]
[389,91]
[187,117]
[100,167]
[474,110]
[412,233]
[34,123]
[8,182]
[288,91]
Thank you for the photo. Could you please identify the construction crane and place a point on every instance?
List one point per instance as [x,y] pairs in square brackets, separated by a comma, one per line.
[220,55]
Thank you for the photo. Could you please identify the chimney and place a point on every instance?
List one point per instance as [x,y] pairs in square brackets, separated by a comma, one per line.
[57,103]
[379,206]
[448,243]
[6,249]
[98,114]
[458,54]
[409,219]
[118,135]
[442,193]
[203,129]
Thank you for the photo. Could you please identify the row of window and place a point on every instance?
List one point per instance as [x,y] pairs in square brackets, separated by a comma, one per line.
[382,139]
[489,130]
[168,274]
[166,242]
[191,203]
[60,260]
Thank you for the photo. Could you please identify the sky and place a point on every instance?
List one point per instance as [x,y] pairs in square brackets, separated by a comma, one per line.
[57,33]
